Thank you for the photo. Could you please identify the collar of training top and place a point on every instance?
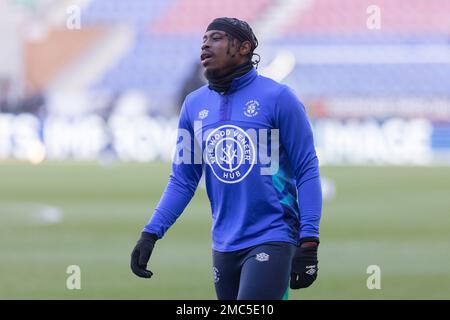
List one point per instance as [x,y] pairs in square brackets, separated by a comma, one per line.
[243,81]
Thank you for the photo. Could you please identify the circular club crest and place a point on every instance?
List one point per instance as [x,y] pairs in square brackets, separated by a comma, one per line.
[251,108]
[230,153]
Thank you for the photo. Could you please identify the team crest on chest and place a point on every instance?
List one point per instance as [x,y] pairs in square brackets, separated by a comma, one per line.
[230,153]
[251,108]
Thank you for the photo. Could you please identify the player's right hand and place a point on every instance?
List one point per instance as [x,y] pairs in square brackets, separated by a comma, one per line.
[141,254]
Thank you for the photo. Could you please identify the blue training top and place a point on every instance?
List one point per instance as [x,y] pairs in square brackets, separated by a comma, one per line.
[256,147]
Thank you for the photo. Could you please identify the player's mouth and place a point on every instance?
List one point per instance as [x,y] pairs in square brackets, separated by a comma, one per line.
[206,58]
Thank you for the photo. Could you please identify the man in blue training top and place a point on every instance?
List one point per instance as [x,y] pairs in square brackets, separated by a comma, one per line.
[266,214]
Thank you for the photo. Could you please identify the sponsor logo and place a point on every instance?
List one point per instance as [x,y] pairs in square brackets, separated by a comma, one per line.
[230,153]
[203,114]
[311,270]
[262,257]
[216,275]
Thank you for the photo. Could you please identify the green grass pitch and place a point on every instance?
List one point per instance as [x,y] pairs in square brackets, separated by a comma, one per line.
[66,213]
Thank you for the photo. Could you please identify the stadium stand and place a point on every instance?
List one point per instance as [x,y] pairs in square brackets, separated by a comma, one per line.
[165,36]
[169,42]
[348,18]
[139,56]
[191,16]
[118,11]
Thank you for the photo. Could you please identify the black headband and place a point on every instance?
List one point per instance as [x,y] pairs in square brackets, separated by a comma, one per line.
[237,28]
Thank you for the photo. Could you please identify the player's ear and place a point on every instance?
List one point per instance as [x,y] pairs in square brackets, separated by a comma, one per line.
[245,48]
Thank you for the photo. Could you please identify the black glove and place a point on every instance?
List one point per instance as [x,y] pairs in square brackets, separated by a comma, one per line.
[304,265]
[141,254]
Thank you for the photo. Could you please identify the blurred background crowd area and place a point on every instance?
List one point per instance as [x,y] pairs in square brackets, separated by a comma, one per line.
[90,79]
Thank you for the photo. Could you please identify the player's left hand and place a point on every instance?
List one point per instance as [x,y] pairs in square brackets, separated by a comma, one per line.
[304,265]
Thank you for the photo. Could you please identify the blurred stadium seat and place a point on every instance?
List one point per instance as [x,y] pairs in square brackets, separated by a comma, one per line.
[345,18]
[189,17]
[131,11]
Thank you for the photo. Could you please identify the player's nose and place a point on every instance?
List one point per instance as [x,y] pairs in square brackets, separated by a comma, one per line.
[205,45]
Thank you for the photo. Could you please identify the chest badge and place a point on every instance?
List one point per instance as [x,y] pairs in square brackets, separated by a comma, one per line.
[203,114]
[230,152]
[251,108]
